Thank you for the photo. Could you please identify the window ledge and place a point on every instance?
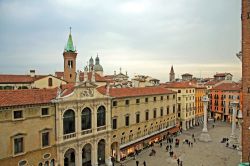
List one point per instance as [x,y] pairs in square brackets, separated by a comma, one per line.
[44,116]
[46,147]
[18,119]
[19,154]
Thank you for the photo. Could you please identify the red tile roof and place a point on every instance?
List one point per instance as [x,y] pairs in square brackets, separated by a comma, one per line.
[9,78]
[228,87]
[98,78]
[221,74]
[131,92]
[186,74]
[185,84]
[213,82]
[26,97]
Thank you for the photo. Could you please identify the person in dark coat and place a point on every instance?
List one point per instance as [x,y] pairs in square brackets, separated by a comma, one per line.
[144,163]
[137,163]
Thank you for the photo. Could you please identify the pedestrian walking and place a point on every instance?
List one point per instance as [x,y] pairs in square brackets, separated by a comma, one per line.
[192,135]
[137,163]
[144,163]
[160,144]
[178,161]
[194,140]
[191,144]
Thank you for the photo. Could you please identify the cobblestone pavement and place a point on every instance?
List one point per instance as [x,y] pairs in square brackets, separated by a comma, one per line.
[201,154]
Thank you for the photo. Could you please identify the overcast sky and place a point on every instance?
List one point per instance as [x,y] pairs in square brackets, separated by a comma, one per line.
[141,36]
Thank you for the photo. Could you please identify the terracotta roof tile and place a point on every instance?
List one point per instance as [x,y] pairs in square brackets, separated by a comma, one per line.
[228,87]
[26,96]
[98,78]
[213,82]
[9,78]
[221,74]
[131,92]
[185,84]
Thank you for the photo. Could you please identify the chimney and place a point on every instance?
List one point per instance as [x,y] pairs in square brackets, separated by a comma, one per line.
[93,76]
[32,73]
[107,89]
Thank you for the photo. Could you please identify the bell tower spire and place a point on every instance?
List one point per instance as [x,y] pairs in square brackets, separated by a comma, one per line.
[172,74]
[69,56]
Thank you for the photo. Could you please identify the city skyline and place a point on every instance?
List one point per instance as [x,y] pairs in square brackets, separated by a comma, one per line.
[141,37]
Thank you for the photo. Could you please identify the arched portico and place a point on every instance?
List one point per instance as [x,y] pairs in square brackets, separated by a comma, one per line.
[69,157]
[115,151]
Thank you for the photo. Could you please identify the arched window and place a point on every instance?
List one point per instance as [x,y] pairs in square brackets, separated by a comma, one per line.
[69,122]
[50,83]
[101,117]
[52,162]
[46,163]
[86,119]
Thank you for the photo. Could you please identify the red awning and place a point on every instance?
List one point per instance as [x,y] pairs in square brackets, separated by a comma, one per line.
[174,130]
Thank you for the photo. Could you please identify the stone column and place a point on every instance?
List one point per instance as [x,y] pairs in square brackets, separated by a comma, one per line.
[205,137]
[79,156]
[233,139]
[94,160]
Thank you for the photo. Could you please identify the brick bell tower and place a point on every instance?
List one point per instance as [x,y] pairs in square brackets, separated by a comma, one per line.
[69,56]
[246,80]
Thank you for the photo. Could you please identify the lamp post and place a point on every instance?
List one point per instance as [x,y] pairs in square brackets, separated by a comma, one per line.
[233,139]
[205,137]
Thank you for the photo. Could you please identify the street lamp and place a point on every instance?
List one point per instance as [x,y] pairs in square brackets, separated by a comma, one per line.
[205,137]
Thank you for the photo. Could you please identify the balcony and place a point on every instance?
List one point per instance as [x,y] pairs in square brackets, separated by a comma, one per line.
[101,128]
[83,132]
[68,136]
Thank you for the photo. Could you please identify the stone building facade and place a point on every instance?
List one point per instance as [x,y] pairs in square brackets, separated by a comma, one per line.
[185,102]
[140,117]
[27,127]
[83,125]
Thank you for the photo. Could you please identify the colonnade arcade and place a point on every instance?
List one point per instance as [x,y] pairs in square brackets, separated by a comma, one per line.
[90,154]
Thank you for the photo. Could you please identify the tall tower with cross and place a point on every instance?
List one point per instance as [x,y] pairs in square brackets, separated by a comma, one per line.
[69,56]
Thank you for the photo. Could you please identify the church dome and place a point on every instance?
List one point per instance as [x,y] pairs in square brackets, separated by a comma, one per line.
[98,67]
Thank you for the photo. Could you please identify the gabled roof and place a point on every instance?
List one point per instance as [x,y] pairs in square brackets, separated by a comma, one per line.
[228,87]
[9,78]
[213,82]
[183,84]
[222,74]
[26,97]
[133,92]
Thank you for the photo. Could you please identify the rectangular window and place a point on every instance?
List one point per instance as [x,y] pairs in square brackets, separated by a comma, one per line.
[114,103]
[127,121]
[18,145]
[161,111]
[45,111]
[126,102]
[45,139]
[179,91]
[167,97]
[161,97]
[137,118]
[173,108]
[147,115]
[154,113]
[179,98]
[173,96]
[114,126]
[154,98]
[146,100]
[167,110]
[137,101]
[18,114]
